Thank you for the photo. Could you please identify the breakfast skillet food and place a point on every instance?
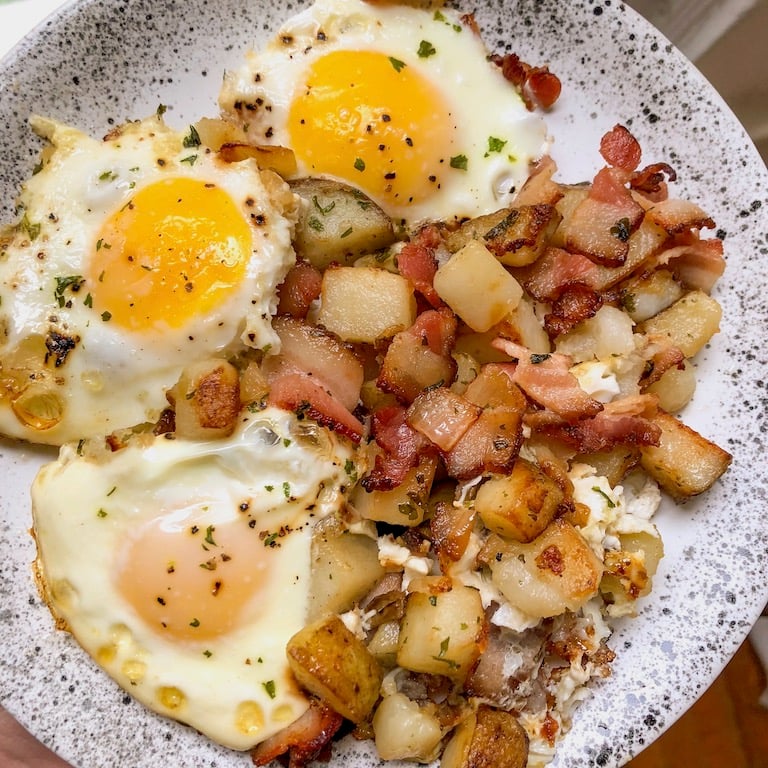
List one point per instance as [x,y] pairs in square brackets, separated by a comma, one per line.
[505,377]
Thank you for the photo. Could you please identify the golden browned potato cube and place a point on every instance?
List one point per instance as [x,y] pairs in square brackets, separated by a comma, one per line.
[613,463]
[214,132]
[404,505]
[690,322]
[331,663]
[474,229]
[675,388]
[440,633]
[557,571]
[365,303]
[684,463]
[406,730]
[345,566]
[523,235]
[281,160]
[519,505]
[477,287]
[487,739]
[338,223]
[524,327]
[647,295]
[206,400]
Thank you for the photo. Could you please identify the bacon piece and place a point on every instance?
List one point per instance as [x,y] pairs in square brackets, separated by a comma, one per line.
[297,392]
[679,216]
[602,224]
[420,356]
[650,183]
[575,303]
[450,528]
[547,277]
[547,380]
[622,422]
[664,358]
[697,264]
[442,416]
[620,148]
[537,86]
[539,186]
[401,447]
[300,288]
[418,263]
[305,740]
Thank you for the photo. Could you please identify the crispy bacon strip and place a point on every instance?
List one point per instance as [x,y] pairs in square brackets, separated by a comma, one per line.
[537,85]
[418,263]
[697,264]
[300,288]
[602,224]
[307,739]
[622,422]
[401,447]
[547,380]
[650,182]
[575,303]
[299,393]
[555,269]
[620,149]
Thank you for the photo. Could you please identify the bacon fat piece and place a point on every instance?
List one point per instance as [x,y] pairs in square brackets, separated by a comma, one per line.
[538,86]
[307,739]
[547,380]
[417,262]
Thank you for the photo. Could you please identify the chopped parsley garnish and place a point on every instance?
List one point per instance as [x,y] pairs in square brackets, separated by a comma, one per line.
[191,159]
[621,229]
[608,500]
[71,282]
[316,224]
[345,233]
[396,63]
[323,209]
[32,230]
[287,490]
[495,145]
[426,49]
[194,623]
[351,470]
[270,688]
[460,162]
[192,139]
[209,535]
[359,164]
[106,316]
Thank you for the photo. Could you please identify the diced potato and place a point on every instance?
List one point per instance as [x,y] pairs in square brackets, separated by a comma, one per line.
[647,295]
[253,384]
[630,570]
[474,229]
[206,400]
[345,567]
[524,327]
[476,287]
[213,132]
[493,388]
[520,238]
[684,463]
[331,663]
[441,632]
[404,730]
[572,197]
[281,160]
[491,737]
[519,505]
[614,463]
[557,571]
[383,644]
[338,223]
[365,304]
[404,505]
[690,322]
[675,388]
[467,369]
[478,345]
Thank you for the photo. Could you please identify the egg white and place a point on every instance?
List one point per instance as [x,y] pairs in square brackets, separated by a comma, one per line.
[91,503]
[494,132]
[114,377]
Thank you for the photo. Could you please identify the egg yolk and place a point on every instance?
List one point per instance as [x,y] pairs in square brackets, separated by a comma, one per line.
[177,249]
[193,582]
[375,121]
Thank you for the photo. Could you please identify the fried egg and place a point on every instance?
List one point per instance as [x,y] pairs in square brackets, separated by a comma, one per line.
[183,567]
[399,101]
[133,257]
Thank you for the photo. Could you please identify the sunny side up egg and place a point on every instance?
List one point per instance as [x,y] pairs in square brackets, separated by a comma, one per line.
[183,567]
[398,101]
[134,256]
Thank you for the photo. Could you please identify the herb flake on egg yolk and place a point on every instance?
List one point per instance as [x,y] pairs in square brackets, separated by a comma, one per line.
[370,112]
[179,248]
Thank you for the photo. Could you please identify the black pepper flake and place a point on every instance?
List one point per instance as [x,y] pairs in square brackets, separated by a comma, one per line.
[385,118]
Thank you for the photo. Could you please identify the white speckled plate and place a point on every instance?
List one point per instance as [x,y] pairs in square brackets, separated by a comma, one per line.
[98,62]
